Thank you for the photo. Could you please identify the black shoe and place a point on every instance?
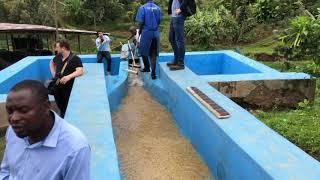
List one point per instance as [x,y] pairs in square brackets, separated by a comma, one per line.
[153,77]
[177,67]
[145,70]
[172,63]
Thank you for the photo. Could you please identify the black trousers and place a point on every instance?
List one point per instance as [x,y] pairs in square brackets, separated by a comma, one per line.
[107,55]
[153,55]
[62,95]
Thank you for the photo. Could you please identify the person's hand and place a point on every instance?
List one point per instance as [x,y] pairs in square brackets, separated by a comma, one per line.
[65,79]
[178,11]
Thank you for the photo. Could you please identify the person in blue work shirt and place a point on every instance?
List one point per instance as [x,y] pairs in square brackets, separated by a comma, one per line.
[39,144]
[148,18]
[103,46]
[179,10]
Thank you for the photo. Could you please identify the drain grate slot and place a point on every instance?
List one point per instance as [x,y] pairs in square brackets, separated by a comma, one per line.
[212,106]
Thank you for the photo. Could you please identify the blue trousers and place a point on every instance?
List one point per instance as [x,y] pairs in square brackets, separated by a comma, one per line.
[176,38]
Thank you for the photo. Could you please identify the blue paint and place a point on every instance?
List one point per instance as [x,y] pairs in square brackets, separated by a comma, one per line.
[89,110]
[115,62]
[256,77]
[240,147]
[117,86]
[88,107]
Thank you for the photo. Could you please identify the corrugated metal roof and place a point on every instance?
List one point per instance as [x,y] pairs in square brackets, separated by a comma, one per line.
[9,27]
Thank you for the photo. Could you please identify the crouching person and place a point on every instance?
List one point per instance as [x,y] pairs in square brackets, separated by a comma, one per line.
[133,48]
[40,144]
[64,67]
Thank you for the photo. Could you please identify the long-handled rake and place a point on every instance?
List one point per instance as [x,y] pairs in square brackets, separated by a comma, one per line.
[133,68]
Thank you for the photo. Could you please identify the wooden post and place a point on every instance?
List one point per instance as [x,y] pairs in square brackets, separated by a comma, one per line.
[48,42]
[79,43]
[53,45]
[7,42]
[12,43]
[56,17]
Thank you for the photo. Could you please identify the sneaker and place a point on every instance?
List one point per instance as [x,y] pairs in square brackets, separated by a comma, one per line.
[177,67]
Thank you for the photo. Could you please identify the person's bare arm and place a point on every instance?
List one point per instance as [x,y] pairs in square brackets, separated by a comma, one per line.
[77,73]
[52,69]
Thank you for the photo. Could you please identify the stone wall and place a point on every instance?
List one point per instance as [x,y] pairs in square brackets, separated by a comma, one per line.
[267,94]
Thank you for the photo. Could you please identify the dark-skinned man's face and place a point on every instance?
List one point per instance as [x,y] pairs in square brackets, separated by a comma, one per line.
[26,114]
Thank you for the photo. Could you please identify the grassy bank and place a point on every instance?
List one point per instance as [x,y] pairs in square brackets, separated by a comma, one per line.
[300,126]
[2,142]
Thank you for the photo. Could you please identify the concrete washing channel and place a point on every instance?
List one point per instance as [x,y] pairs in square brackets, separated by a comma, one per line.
[239,147]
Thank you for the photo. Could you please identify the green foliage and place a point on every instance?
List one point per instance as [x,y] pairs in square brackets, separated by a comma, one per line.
[132,11]
[3,11]
[246,20]
[277,10]
[211,27]
[217,25]
[93,11]
[303,38]
[28,11]
[305,104]
[74,9]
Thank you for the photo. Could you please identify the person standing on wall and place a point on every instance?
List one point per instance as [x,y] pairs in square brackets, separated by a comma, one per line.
[103,46]
[65,66]
[179,11]
[148,18]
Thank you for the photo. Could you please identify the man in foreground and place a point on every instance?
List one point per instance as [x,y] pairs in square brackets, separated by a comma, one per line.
[39,144]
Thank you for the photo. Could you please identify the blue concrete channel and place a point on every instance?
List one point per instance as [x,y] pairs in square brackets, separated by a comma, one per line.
[240,147]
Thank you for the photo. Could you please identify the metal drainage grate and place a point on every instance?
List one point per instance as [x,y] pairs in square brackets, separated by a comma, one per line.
[217,110]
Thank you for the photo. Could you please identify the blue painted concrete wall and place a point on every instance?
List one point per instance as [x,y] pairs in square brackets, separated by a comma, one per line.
[219,63]
[240,147]
[89,110]
[88,107]
[37,68]
[115,62]
[117,86]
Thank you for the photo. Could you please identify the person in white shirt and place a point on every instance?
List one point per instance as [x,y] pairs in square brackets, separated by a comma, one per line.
[103,47]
